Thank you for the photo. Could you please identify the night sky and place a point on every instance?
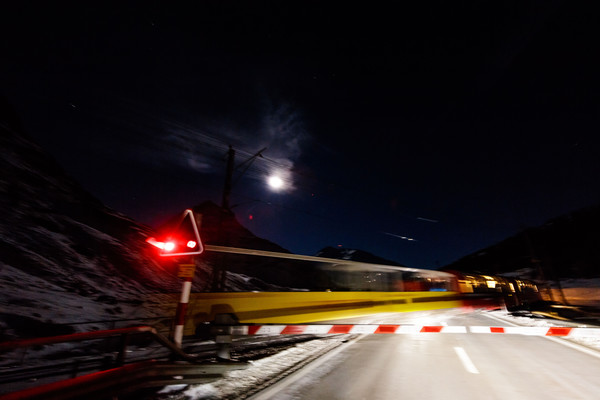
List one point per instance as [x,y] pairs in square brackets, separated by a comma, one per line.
[418,132]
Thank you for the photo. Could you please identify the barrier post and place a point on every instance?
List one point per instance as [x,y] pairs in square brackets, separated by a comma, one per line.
[223,336]
[223,347]
[186,271]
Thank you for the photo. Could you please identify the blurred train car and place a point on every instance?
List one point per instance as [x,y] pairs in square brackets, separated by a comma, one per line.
[340,289]
[331,289]
[384,278]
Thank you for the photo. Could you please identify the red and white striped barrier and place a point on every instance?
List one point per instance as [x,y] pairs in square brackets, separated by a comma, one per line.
[538,330]
[409,329]
[337,329]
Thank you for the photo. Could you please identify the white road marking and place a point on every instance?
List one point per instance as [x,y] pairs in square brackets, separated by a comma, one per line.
[466,361]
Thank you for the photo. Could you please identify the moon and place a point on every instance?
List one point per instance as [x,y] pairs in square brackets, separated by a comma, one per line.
[275,182]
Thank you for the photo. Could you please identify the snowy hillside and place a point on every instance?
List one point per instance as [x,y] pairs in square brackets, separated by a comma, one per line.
[66,258]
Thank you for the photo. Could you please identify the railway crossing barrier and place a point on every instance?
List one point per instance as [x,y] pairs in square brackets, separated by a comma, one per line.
[325,329]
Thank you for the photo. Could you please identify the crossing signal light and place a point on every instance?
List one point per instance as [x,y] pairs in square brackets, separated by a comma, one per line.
[182,239]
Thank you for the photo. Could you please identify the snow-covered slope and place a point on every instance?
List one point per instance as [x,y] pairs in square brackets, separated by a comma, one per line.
[65,258]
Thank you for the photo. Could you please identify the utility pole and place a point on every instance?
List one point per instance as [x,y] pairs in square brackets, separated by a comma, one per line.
[220,273]
[231,167]
[228,178]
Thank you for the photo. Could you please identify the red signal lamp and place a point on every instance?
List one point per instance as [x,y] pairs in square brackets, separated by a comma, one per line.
[183,240]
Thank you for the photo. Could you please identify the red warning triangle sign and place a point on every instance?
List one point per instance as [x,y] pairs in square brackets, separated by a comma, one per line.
[182,239]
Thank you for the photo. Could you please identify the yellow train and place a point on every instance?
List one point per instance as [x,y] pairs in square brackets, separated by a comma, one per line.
[305,307]
[346,289]
[343,289]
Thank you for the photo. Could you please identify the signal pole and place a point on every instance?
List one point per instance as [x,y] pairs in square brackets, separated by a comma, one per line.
[182,242]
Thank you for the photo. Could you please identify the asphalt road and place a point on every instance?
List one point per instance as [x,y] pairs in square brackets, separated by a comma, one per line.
[446,366]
